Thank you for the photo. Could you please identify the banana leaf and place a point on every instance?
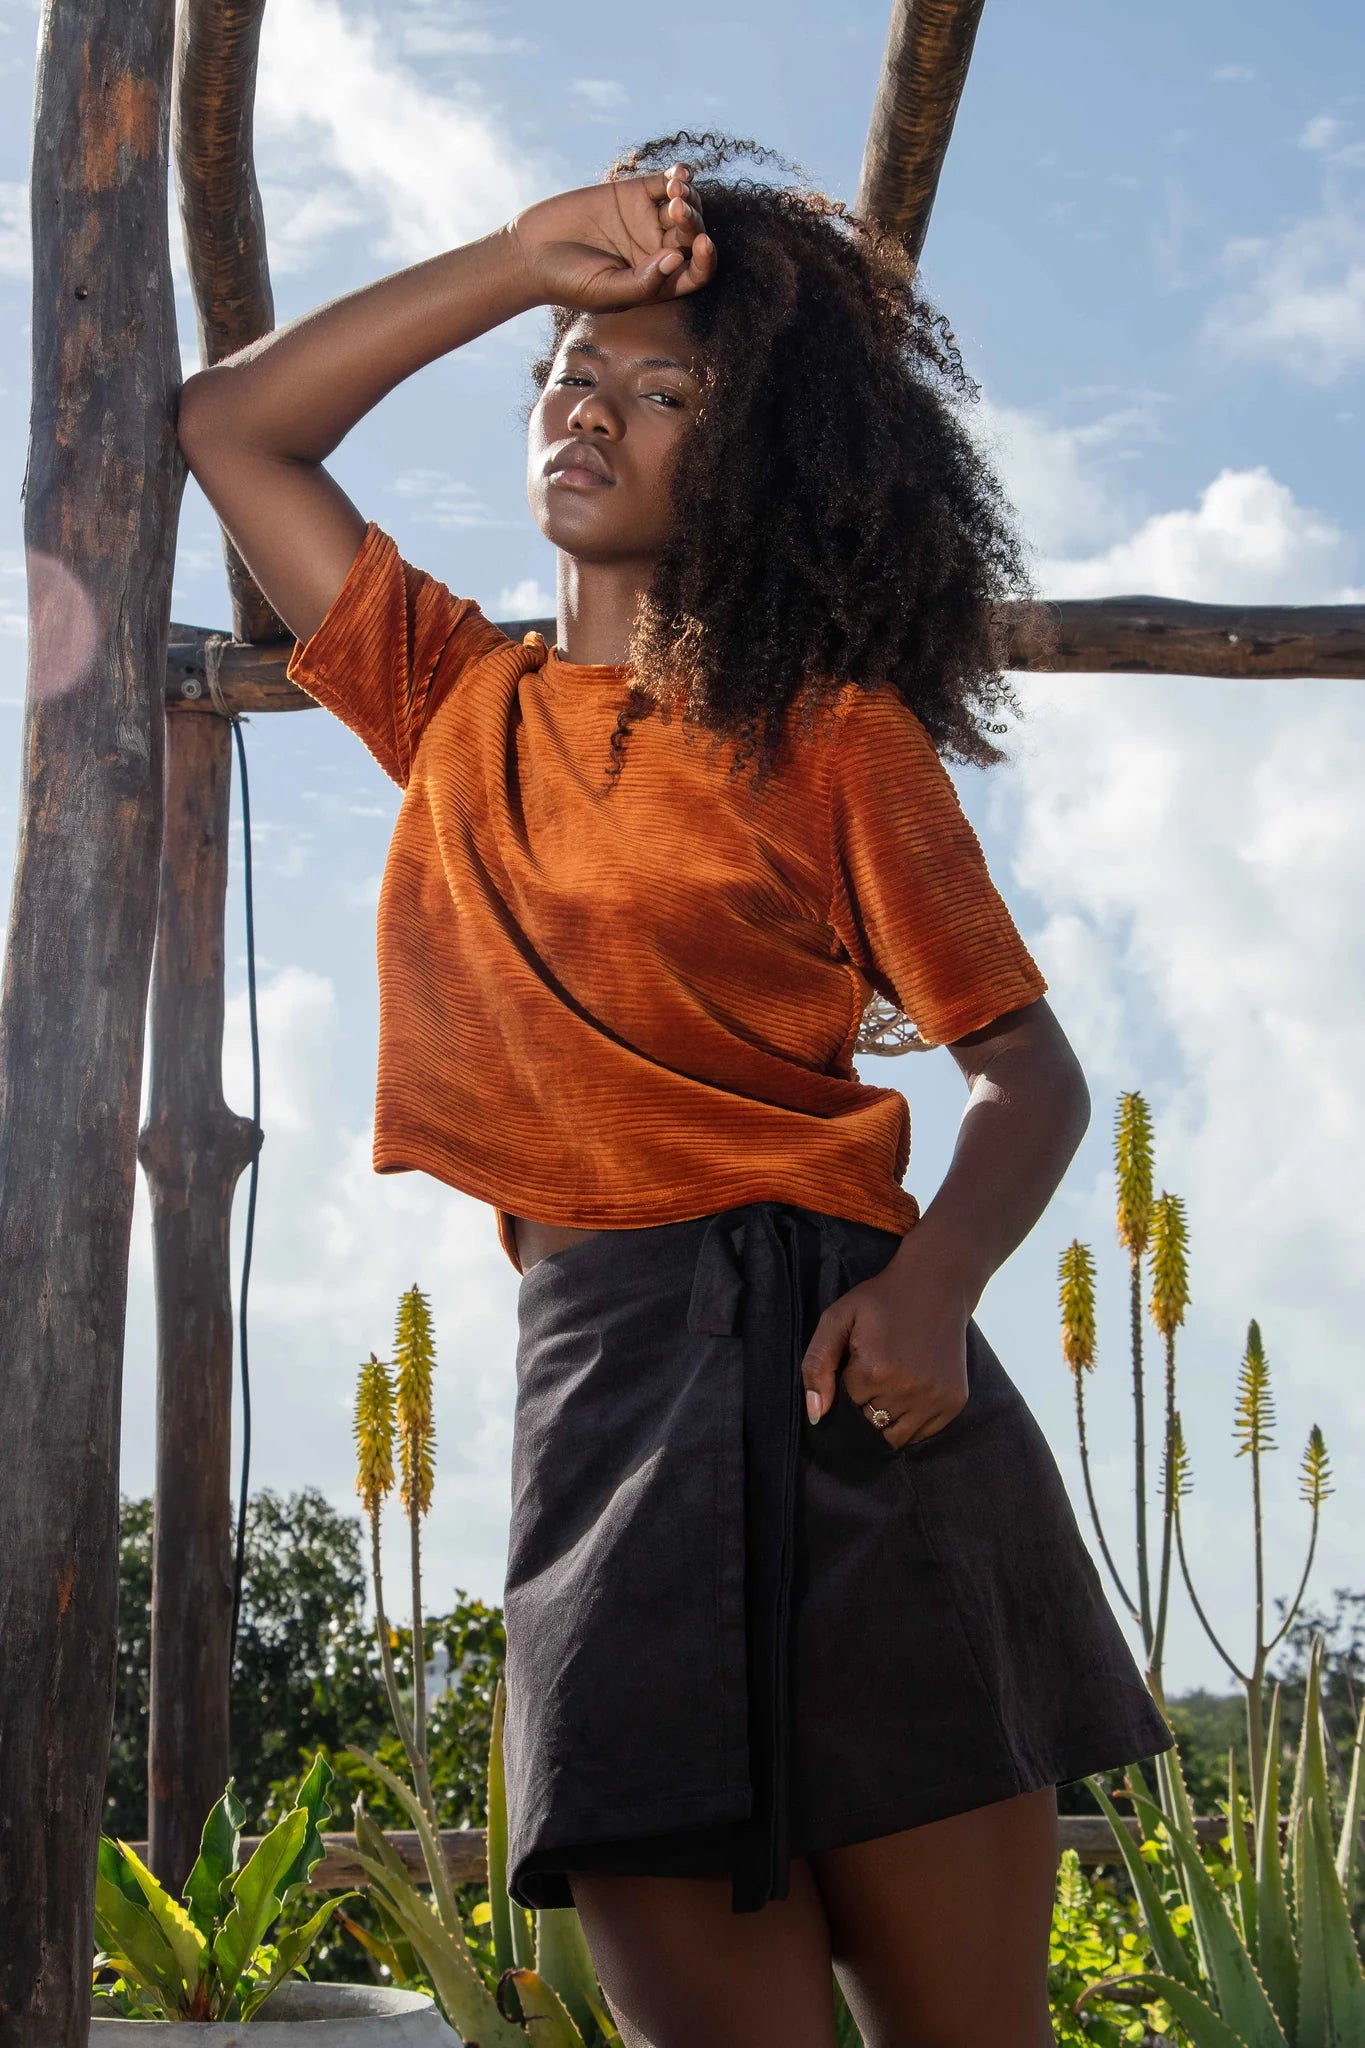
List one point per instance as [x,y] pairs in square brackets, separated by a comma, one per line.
[1277,1957]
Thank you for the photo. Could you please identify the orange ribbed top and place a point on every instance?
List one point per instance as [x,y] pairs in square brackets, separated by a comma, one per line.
[625,1005]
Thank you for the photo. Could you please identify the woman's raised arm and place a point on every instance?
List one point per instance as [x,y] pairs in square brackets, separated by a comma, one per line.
[256,427]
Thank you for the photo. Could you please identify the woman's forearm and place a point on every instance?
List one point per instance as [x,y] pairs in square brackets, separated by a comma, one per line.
[1020,1130]
[296,393]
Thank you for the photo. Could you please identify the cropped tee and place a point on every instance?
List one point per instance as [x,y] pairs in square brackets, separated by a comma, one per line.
[620,1004]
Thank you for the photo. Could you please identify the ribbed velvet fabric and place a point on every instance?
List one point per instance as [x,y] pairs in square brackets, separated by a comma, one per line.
[620,1005]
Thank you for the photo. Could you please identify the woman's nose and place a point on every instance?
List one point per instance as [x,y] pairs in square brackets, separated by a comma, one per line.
[594,413]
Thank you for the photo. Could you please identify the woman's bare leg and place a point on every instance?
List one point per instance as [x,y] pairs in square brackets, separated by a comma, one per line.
[940,1933]
[681,1969]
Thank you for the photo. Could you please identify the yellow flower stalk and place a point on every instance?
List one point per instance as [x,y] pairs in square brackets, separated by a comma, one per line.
[414,1357]
[1170,1276]
[374,1434]
[1177,1478]
[1078,1307]
[1255,1416]
[1133,1166]
[1314,1472]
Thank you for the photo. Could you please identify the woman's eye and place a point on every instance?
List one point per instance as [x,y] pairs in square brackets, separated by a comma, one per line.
[567,379]
[668,397]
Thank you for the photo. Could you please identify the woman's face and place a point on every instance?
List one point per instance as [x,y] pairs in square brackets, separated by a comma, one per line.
[622,392]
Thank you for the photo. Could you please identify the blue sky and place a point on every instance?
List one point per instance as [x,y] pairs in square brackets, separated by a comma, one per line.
[1150,239]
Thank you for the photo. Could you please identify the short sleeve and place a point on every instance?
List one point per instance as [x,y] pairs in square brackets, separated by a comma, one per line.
[388,651]
[911,898]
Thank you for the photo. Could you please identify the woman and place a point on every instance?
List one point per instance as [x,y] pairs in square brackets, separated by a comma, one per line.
[790,1681]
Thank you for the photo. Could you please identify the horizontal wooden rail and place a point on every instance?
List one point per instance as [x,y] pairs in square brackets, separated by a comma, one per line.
[1099,635]
[1088,1834]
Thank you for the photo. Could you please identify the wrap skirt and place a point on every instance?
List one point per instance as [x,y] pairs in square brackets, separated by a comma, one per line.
[734,1637]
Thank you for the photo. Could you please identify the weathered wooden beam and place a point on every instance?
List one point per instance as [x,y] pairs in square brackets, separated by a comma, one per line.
[220,211]
[1172,637]
[466,1856]
[101,498]
[192,1149]
[924,67]
[1103,635]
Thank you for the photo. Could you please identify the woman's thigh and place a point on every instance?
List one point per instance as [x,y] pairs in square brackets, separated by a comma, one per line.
[681,1969]
[939,1934]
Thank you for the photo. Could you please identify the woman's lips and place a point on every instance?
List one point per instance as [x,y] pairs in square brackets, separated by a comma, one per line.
[578,478]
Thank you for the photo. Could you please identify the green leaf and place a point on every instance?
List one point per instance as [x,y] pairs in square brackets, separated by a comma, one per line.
[547,2022]
[186,1943]
[1200,2021]
[1348,1848]
[564,1962]
[1243,1859]
[135,1943]
[432,1854]
[216,1863]
[311,1798]
[1241,1995]
[1165,1941]
[1332,1989]
[256,1894]
[291,1952]
[463,1996]
[499,1904]
[1277,1957]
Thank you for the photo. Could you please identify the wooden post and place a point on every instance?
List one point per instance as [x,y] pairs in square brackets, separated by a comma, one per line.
[192,1149]
[101,499]
[924,68]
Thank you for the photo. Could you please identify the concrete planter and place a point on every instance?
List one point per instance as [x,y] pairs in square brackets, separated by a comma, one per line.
[334,2016]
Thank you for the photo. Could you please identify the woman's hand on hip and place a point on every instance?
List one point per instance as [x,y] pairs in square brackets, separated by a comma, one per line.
[900,1341]
[625,242]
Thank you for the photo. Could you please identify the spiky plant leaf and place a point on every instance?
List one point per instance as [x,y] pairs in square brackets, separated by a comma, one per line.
[513,1938]
[564,1961]
[1277,1958]
[1200,2021]
[1332,1987]
[1077,1297]
[1133,1166]
[546,2018]
[1242,1997]
[1170,1265]
[1243,1859]
[1166,1943]
[1348,1846]
[463,1996]
[1255,1414]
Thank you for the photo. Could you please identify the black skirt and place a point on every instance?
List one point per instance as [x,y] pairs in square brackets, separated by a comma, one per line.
[734,1638]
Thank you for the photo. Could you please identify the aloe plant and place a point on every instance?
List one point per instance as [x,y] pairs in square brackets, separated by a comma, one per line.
[206,1955]
[1276,1963]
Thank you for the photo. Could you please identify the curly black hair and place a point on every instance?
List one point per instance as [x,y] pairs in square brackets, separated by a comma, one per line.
[835,520]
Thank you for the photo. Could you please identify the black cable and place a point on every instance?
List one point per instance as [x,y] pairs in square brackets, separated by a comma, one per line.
[258,1134]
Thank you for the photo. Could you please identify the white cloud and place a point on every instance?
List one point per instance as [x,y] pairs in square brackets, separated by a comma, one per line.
[1321,132]
[525,600]
[1057,474]
[15,236]
[1300,301]
[1247,541]
[427,169]
[444,500]
[602,93]
[422,39]
[1233,74]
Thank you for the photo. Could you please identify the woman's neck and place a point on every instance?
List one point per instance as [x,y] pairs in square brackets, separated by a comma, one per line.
[596,605]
